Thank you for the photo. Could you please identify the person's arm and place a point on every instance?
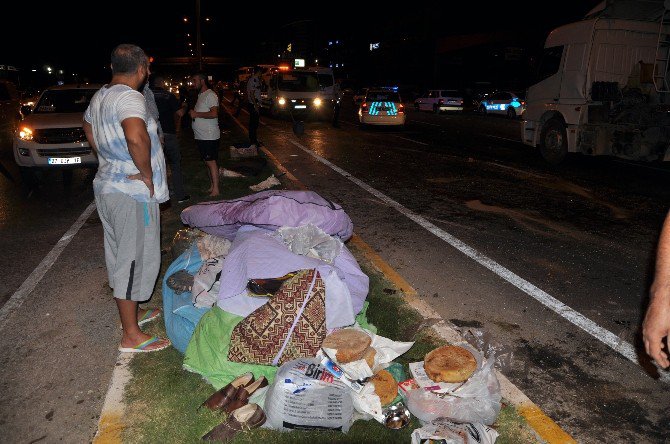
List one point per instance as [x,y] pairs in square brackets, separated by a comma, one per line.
[139,147]
[88,130]
[213,113]
[656,325]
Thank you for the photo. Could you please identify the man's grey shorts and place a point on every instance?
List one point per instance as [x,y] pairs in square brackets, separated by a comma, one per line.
[132,244]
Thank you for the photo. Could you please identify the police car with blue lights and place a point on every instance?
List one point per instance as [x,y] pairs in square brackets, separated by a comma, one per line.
[505,103]
[382,106]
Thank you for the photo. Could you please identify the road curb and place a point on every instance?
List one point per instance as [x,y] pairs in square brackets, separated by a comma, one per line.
[111,425]
[545,428]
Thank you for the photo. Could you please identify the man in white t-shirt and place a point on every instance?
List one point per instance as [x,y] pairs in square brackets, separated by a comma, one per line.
[205,117]
[129,186]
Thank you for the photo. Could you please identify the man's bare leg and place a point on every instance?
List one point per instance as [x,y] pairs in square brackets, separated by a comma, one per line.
[213,170]
[132,335]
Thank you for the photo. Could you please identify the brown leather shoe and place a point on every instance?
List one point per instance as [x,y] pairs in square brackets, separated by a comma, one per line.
[248,417]
[220,398]
[244,393]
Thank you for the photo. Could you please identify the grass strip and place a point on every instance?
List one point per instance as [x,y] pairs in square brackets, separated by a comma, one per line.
[162,399]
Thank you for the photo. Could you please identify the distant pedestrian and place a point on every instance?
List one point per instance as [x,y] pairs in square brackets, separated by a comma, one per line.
[129,186]
[254,104]
[337,100]
[205,125]
[169,113]
[239,95]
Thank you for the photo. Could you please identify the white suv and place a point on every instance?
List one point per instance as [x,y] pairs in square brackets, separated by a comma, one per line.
[437,100]
[52,135]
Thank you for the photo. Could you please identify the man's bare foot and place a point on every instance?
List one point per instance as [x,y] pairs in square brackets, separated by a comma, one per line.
[131,341]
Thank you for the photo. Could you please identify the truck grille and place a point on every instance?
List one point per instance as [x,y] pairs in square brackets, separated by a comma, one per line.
[64,152]
[59,135]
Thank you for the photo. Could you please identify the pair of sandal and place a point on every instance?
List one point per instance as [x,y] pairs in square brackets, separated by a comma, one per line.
[235,394]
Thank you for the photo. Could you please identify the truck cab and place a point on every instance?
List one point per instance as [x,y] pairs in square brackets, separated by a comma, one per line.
[599,91]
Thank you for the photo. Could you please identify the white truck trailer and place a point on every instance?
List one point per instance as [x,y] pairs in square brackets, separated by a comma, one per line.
[604,87]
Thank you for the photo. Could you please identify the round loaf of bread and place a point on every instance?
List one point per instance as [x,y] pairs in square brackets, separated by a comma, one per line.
[386,387]
[369,356]
[350,344]
[450,363]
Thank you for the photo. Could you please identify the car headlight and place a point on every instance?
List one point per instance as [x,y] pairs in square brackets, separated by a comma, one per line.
[281,101]
[317,102]
[25,133]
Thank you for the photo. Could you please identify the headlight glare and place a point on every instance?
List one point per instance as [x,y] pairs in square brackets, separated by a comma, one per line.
[26,133]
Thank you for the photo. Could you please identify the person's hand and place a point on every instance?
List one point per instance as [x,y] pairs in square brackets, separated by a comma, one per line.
[162,140]
[655,328]
[192,113]
[147,181]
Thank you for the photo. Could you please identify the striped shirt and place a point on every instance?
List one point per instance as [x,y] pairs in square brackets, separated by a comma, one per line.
[108,108]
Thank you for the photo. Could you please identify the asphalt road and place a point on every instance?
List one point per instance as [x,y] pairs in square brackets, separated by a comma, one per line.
[584,234]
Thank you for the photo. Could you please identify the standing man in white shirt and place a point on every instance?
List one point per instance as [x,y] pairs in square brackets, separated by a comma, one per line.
[205,117]
[129,186]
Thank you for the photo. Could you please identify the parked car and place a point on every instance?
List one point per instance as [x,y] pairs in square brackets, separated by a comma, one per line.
[10,114]
[382,107]
[438,100]
[52,135]
[504,103]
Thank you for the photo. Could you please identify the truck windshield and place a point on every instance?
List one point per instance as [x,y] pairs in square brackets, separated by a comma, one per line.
[298,81]
[550,62]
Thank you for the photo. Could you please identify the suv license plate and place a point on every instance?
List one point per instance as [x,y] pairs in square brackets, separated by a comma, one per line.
[63,160]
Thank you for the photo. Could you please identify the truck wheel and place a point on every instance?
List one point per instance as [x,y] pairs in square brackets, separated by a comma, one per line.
[554,142]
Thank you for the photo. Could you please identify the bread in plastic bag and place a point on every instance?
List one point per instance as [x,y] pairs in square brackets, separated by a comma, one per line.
[477,400]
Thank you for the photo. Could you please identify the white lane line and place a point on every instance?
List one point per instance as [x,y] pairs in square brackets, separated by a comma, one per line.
[424,123]
[38,273]
[605,336]
[412,140]
[504,138]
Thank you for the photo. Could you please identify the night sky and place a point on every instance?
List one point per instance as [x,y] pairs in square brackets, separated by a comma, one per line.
[68,35]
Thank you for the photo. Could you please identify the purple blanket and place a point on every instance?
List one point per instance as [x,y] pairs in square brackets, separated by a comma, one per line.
[269,209]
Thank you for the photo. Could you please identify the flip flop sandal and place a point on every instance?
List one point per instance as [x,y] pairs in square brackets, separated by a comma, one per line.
[180,281]
[150,315]
[142,347]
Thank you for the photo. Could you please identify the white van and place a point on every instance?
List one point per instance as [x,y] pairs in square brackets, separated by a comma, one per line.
[309,91]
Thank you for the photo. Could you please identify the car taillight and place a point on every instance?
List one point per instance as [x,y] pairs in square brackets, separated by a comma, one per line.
[523,103]
[401,109]
[364,107]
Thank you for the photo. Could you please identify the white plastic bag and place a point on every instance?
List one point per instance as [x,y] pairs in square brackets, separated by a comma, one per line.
[306,396]
[311,241]
[477,400]
[447,432]
[205,290]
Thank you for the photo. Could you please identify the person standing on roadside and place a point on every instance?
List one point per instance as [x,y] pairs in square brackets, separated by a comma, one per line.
[205,124]
[656,325]
[254,104]
[129,186]
[168,114]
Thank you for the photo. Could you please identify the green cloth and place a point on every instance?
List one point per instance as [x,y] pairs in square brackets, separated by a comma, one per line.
[207,352]
[362,319]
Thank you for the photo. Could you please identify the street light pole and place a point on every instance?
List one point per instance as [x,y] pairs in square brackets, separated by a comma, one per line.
[197,33]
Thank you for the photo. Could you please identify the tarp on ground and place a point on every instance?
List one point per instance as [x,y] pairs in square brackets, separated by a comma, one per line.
[269,209]
[179,314]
